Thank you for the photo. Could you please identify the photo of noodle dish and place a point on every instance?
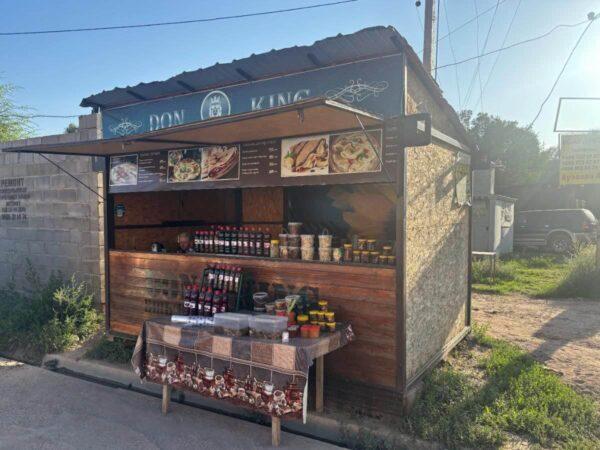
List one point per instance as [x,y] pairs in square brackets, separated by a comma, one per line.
[123,170]
[184,165]
[220,162]
[356,152]
[305,156]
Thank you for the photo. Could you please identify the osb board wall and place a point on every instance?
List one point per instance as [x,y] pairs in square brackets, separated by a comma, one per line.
[419,100]
[146,285]
[437,238]
[214,206]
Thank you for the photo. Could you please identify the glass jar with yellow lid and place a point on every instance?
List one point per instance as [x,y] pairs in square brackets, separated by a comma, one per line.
[323,305]
[314,316]
[302,319]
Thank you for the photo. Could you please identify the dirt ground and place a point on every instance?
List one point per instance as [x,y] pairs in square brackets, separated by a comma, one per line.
[563,334]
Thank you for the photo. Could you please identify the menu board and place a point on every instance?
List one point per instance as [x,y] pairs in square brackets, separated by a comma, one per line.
[355,156]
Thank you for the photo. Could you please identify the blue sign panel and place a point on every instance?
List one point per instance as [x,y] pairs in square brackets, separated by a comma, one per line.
[374,85]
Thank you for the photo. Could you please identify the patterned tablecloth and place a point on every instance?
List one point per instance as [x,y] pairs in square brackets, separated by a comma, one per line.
[266,376]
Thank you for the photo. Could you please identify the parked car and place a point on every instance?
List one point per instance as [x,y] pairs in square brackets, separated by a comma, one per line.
[557,230]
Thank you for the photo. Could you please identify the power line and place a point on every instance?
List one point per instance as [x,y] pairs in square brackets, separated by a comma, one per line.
[464,24]
[179,22]
[478,67]
[591,18]
[512,20]
[453,56]
[516,44]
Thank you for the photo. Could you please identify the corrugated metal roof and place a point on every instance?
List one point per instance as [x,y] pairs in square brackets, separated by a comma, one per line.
[363,44]
[369,42]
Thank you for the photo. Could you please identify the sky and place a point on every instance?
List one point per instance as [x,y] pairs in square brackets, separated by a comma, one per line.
[54,72]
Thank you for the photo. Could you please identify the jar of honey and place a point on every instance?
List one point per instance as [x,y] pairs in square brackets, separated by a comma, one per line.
[356,256]
[364,257]
[386,250]
[391,260]
[331,326]
[371,245]
[302,319]
[361,244]
[330,316]
[373,257]
[314,316]
[323,305]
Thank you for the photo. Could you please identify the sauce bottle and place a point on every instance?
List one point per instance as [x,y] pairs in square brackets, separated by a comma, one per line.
[208,301]
[258,243]
[234,237]
[201,300]
[252,242]
[240,242]
[187,292]
[197,242]
[194,300]
[266,244]
[227,241]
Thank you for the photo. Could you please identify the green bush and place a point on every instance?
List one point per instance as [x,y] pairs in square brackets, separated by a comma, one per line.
[51,316]
[581,278]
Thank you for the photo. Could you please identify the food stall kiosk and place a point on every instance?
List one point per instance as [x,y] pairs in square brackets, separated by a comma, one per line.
[349,136]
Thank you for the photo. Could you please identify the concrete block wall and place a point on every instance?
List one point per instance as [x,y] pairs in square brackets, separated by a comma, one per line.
[47,217]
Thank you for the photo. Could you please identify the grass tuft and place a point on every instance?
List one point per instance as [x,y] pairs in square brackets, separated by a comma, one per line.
[519,396]
[115,351]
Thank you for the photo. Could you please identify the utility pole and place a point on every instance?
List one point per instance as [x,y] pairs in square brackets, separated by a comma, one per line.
[430,36]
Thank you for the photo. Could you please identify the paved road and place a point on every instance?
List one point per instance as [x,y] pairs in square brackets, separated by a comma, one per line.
[42,409]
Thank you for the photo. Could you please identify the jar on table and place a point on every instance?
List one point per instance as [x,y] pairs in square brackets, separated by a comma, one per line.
[382,260]
[391,260]
[331,326]
[274,253]
[329,316]
[314,316]
[283,239]
[283,252]
[371,245]
[361,244]
[324,254]
[308,253]
[322,305]
[347,252]
[294,227]
[293,240]
[386,250]
[337,255]
[307,240]
[364,257]
[374,257]
[356,256]
[302,319]
[293,252]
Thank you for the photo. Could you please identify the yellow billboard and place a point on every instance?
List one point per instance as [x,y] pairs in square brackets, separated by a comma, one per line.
[580,158]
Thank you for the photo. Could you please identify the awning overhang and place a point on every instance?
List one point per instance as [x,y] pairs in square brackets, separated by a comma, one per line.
[305,117]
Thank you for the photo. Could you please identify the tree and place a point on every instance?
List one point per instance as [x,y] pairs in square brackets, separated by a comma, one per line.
[516,148]
[14,122]
[72,128]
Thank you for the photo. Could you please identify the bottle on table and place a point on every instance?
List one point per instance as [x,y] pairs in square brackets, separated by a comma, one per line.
[266,244]
[234,237]
[252,242]
[187,293]
[194,300]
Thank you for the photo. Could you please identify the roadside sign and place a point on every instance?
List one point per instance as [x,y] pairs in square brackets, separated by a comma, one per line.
[579,159]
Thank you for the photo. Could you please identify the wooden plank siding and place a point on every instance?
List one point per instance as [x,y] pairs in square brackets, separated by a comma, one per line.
[146,285]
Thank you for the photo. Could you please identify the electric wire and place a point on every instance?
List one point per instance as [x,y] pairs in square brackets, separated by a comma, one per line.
[453,56]
[478,67]
[178,22]
[516,44]
[512,20]
[562,70]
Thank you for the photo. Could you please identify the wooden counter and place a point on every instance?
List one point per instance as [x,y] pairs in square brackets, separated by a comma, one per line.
[145,285]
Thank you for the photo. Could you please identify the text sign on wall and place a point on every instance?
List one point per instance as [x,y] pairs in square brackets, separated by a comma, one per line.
[580,158]
[375,85]
[12,193]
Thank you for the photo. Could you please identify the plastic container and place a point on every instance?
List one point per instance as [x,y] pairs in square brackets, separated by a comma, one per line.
[308,253]
[307,240]
[270,308]
[325,254]
[293,252]
[274,250]
[283,239]
[231,324]
[293,240]
[267,327]
[294,227]
[325,240]
[337,255]
[284,251]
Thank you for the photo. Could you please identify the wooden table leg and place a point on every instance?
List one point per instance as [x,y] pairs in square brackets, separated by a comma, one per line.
[319,384]
[275,431]
[166,397]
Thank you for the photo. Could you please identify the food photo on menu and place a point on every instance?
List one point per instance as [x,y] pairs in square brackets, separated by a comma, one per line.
[220,162]
[356,152]
[184,165]
[305,156]
[123,170]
